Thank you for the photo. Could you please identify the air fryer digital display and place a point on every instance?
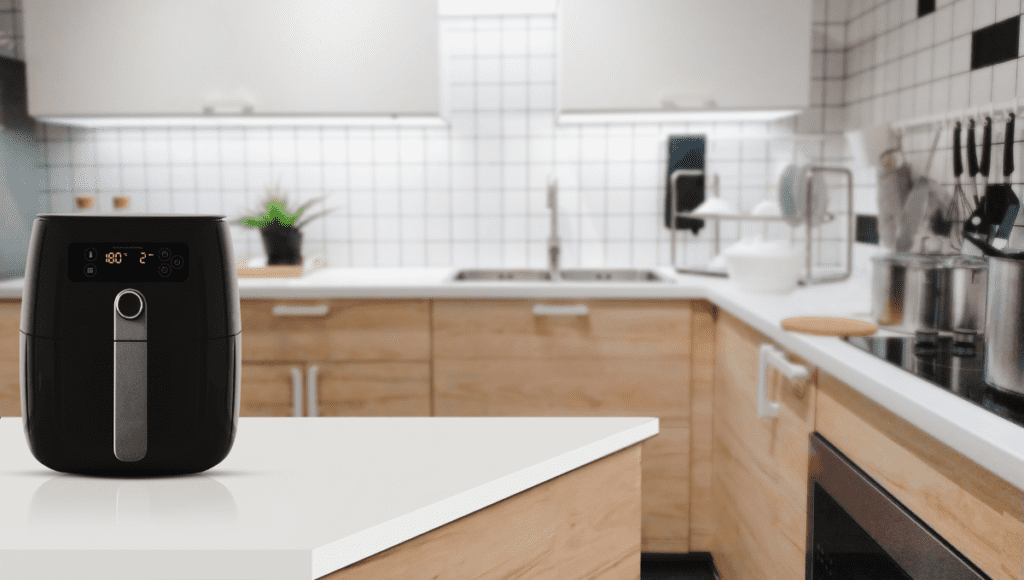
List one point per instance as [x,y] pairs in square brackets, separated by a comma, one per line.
[128,262]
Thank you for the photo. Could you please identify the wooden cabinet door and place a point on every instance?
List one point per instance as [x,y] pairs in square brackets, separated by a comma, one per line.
[335,330]
[10,336]
[760,466]
[272,390]
[372,389]
[623,358]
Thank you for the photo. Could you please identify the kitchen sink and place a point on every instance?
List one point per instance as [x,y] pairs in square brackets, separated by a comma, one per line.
[610,275]
[502,276]
[567,275]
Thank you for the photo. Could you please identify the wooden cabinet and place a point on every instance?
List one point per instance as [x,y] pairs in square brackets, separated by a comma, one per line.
[760,466]
[399,389]
[265,57]
[625,358]
[335,330]
[10,384]
[658,55]
[978,513]
[335,358]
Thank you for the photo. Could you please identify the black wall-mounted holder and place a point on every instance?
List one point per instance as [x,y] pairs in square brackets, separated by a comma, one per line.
[684,180]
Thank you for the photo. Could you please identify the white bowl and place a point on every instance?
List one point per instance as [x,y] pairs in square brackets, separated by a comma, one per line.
[714,205]
[764,267]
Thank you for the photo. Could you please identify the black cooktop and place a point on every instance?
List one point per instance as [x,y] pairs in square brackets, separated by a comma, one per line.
[956,365]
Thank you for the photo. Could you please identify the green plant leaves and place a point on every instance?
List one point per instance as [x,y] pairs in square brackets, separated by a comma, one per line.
[276,212]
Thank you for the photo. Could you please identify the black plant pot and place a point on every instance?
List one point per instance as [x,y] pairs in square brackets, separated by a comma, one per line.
[283,244]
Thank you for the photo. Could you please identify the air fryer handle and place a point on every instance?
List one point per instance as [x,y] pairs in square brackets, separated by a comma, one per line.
[131,390]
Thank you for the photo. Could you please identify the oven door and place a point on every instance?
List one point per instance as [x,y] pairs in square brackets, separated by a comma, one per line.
[856,530]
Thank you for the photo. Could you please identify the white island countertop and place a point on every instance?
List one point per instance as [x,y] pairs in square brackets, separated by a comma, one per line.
[991,441]
[295,499]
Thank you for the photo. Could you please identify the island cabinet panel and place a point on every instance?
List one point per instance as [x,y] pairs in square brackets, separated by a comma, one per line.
[10,336]
[268,390]
[335,330]
[619,358]
[702,383]
[760,466]
[579,526]
[977,512]
[373,389]
[517,388]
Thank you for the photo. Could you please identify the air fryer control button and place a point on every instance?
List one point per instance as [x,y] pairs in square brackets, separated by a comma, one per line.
[129,304]
[90,270]
[164,270]
[90,254]
[165,254]
[177,262]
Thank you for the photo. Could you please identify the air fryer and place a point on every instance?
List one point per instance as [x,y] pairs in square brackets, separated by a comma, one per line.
[130,344]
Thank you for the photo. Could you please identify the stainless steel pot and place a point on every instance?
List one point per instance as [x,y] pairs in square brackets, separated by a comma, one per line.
[1004,325]
[931,293]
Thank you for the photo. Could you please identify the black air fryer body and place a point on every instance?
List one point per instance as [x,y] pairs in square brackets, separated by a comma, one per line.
[130,344]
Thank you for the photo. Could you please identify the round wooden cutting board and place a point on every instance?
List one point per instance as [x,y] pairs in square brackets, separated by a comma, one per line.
[829,326]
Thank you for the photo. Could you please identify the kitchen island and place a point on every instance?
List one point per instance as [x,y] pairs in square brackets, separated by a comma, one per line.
[344,498]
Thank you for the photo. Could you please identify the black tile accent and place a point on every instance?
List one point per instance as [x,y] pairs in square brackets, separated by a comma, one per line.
[925,7]
[996,43]
[867,229]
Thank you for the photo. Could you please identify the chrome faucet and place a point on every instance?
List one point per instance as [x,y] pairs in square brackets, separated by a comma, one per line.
[554,242]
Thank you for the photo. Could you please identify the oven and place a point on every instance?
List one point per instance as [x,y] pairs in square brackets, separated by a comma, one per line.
[857,530]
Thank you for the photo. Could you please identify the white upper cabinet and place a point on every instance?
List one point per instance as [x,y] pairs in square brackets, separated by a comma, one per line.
[664,55]
[96,58]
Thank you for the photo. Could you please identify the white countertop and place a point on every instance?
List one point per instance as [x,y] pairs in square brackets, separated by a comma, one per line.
[989,440]
[295,499]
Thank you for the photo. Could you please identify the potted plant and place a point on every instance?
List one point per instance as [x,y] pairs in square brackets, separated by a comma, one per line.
[281,229]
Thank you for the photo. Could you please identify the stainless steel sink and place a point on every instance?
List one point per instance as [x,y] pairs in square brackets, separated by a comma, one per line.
[567,275]
[610,275]
[502,276]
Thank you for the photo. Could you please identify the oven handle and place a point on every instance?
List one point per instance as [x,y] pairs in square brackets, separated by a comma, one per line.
[771,356]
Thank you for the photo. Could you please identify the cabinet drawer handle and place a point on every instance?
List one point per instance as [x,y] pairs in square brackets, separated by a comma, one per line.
[311,391]
[296,392]
[560,310]
[771,356]
[296,310]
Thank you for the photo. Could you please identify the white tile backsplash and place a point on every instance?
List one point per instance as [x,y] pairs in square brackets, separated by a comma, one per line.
[472,193]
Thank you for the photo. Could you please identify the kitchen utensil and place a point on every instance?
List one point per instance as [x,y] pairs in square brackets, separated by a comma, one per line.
[130,343]
[923,212]
[914,292]
[1004,325]
[988,249]
[894,185]
[764,267]
[1001,204]
[959,208]
[976,222]
[829,326]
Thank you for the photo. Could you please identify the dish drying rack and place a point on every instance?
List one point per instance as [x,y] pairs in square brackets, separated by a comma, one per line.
[716,220]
